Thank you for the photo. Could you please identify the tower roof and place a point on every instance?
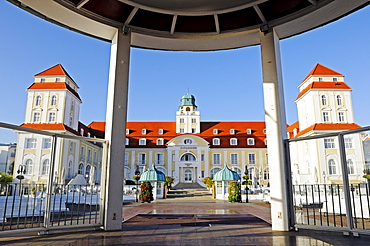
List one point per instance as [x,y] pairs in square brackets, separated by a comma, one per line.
[188,100]
[153,174]
[322,70]
[57,70]
[226,174]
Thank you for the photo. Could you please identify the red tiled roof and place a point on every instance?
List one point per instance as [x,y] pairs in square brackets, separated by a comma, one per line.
[50,127]
[57,70]
[169,132]
[328,127]
[322,70]
[324,85]
[53,86]
[290,129]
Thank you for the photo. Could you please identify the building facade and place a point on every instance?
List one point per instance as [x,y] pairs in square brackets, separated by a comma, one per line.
[189,149]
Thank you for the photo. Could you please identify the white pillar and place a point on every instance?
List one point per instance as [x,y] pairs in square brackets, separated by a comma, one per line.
[275,127]
[115,130]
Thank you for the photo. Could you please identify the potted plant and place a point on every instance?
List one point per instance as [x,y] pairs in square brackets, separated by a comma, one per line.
[234,192]
[146,192]
[208,182]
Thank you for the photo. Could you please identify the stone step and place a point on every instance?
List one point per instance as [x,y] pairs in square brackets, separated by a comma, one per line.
[181,186]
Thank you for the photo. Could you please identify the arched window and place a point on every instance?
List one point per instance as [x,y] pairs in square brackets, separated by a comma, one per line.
[350,166]
[80,169]
[214,171]
[250,141]
[142,141]
[339,100]
[160,141]
[323,100]
[233,141]
[29,166]
[188,157]
[87,173]
[45,167]
[216,141]
[54,100]
[332,167]
[38,101]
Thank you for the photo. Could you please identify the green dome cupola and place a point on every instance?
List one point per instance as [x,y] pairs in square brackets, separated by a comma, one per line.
[188,100]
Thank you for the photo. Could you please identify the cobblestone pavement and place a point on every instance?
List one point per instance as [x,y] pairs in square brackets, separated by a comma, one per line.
[192,219]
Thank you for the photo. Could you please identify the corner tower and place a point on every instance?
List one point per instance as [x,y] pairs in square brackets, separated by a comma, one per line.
[188,118]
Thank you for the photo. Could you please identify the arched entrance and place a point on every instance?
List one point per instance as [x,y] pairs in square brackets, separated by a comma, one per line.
[188,176]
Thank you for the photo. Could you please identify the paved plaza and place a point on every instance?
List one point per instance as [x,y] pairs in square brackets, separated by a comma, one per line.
[189,218]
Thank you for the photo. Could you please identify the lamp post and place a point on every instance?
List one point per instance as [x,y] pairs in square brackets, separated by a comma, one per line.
[21,171]
[137,177]
[247,182]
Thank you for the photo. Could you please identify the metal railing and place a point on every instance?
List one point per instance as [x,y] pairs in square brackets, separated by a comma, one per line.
[39,204]
[327,197]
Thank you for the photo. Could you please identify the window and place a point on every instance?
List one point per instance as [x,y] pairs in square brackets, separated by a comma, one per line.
[265,141]
[143,131]
[332,168]
[126,159]
[141,159]
[250,141]
[52,117]
[89,155]
[214,171]
[181,130]
[70,171]
[264,131]
[82,153]
[42,80]
[350,167]
[193,121]
[323,100]
[160,141]
[87,173]
[234,159]
[159,159]
[71,147]
[341,116]
[142,141]
[266,174]
[193,130]
[233,141]
[188,141]
[202,157]
[173,157]
[160,131]
[127,141]
[29,166]
[215,131]
[216,159]
[339,100]
[252,158]
[54,100]
[72,106]
[232,131]
[335,79]
[127,131]
[30,143]
[36,117]
[82,132]
[57,79]
[216,141]
[238,171]
[249,131]
[95,157]
[38,101]
[348,143]
[329,143]
[46,143]
[320,79]
[45,167]
[325,116]
[71,120]
[188,157]
[182,121]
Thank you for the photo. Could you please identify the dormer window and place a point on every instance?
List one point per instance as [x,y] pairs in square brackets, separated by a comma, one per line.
[88,134]
[160,141]
[335,80]
[143,131]
[57,79]
[188,141]
[216,141]
[215,131]
[82,132]
[233,141]
[142,141]
[127,141]
[160,131]
[250,141]
[232,131]
[264,131]
[320,79]
[127,131]
[249,131]
[42,80]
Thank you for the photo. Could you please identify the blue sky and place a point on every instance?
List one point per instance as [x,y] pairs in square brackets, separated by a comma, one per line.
[227,84]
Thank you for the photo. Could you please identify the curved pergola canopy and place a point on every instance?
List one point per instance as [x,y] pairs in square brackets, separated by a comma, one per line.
[197,25]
